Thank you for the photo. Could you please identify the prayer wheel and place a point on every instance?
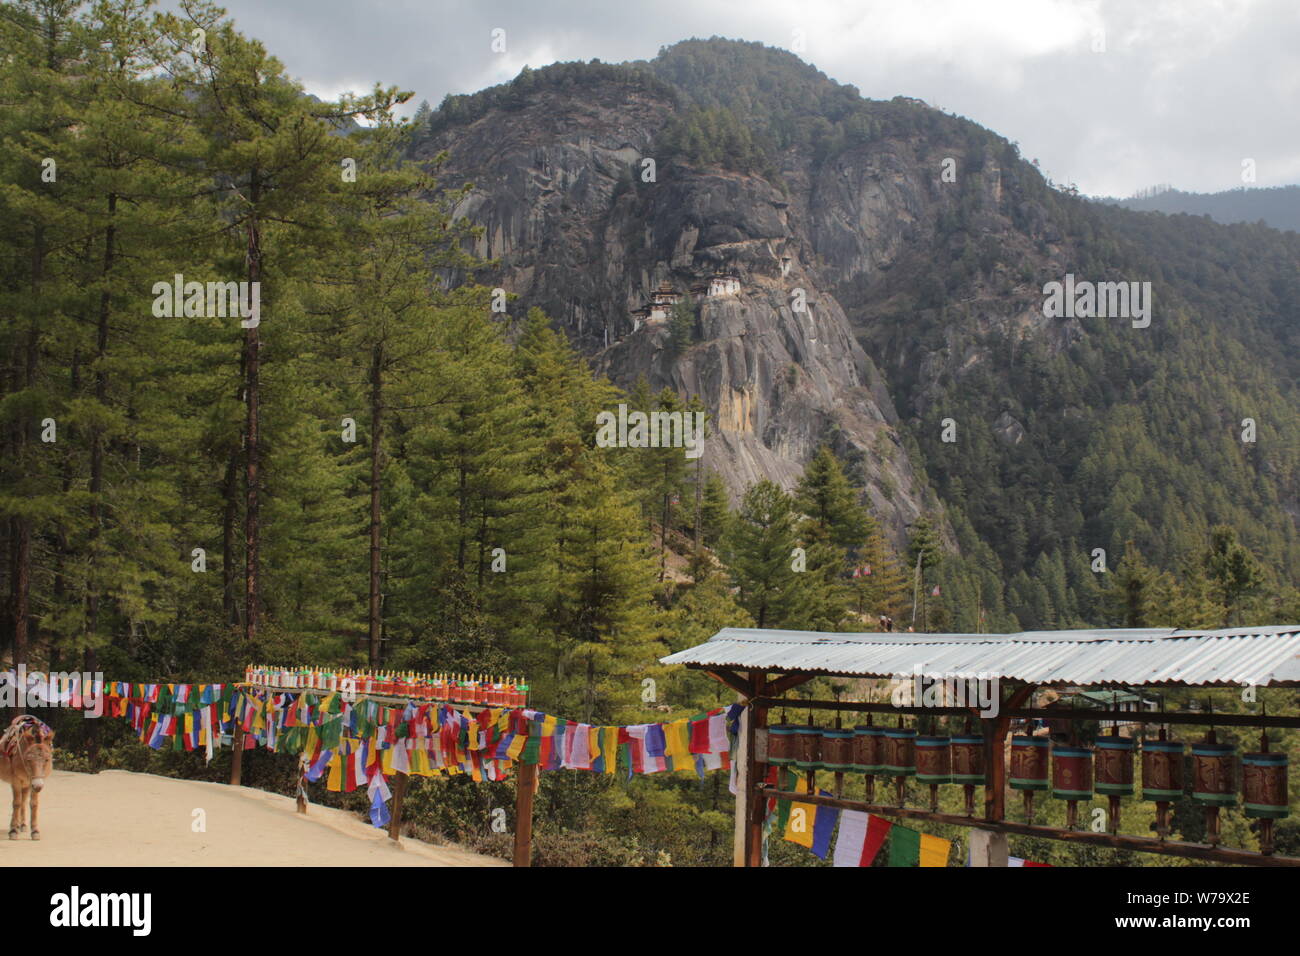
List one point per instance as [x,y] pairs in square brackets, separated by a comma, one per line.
[1028,763]
[1114,766]
[933,760]
[1264,785]
[1213,781]
[1162,770]
[900,752]
[1114,772]
[808,747]
[1028,771]
[1212,777]
[967,761]
[780,745]
[1264,790]
[869,754]
[837,749]
[1071,778]
[1162,777]
[933,765]
[900,757]
[868,748]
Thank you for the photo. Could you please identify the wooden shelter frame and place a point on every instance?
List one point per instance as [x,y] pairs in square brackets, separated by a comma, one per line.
[759,693]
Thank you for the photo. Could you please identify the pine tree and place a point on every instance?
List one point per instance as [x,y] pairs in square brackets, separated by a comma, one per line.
[278,169]
[825,496]
[761,555]
[881,586]
[1232,569]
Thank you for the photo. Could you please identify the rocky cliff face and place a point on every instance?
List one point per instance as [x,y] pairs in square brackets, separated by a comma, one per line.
[578,231]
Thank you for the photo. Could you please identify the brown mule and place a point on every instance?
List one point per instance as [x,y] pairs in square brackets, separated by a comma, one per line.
[26,759]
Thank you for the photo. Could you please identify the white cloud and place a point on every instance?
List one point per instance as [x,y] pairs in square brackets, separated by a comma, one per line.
[1184,90]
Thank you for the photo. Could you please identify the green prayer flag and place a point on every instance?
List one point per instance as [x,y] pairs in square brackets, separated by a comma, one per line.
[787,782]
[904,846]
[533,748]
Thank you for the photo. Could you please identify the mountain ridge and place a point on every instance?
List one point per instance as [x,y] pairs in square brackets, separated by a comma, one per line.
[925,295]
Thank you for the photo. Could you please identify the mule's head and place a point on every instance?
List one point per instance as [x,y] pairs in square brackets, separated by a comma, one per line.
[36,752]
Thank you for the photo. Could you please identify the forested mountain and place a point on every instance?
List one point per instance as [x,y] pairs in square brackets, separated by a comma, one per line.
[1276,206]
[1070,434]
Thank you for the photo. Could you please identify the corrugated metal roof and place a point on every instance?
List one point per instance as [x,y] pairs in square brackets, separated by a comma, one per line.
[1246,655]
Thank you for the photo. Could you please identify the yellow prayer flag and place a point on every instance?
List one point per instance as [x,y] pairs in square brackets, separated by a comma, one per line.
[517,746]
[677,745]
[934,850]
[799,828]
[609,747]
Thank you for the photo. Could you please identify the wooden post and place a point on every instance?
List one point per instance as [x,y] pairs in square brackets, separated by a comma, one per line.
[237,756]
[995,770]
[525,786]
[741,829]
[754,773]
[399,794]
[995,753]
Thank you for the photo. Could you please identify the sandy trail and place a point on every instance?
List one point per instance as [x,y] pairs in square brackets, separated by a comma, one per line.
[116,818]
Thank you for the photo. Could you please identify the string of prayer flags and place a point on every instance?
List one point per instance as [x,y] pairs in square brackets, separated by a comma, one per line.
[355,741]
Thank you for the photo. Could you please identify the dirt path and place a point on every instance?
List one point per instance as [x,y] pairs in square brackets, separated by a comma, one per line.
[117,818]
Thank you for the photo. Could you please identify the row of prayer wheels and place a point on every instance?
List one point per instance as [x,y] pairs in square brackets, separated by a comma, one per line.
[1077,772]
[457,689]
[1070,773]
[898,752]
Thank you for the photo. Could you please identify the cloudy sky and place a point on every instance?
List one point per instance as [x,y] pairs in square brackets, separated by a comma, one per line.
[1112,95]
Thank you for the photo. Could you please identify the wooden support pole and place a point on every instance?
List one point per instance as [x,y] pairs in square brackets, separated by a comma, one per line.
[995,753]
[399,795]
[741,823]
[525,787]
[749,798]
[237,756]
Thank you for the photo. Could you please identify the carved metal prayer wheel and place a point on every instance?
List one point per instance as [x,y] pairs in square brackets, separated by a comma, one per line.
[966,757]
[807,747]
[1213,781]
[868,747]
[1264,785]
[1264,790]
[1113,766]
[869,754]
[780,745]
[837,749]
[933,760]
[1071,778]
[933,765]
[1162,769]
[1162,777]
[1028,770]
[900,757]
[900,752]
